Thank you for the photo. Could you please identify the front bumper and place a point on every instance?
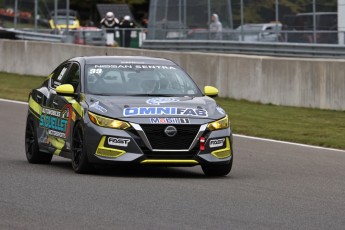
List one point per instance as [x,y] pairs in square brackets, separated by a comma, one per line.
[105,145]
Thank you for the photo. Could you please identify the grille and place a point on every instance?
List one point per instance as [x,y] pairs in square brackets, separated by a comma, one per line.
[159,140]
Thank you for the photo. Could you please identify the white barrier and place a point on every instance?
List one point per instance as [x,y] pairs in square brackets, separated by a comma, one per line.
[316,83]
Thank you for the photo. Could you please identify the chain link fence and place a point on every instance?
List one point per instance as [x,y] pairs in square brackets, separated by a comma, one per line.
[34,20]
[305,21]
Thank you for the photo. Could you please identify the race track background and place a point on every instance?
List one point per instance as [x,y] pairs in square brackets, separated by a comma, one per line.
[272,186]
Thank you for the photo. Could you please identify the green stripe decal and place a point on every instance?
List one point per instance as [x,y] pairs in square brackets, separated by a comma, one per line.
[78,109]
[37,108]
[76,106]
[57,142]
[57,152]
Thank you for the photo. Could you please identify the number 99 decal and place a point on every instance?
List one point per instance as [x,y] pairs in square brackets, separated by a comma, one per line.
[97,71]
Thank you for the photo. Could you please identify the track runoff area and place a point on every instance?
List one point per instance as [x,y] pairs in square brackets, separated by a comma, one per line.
[236,135]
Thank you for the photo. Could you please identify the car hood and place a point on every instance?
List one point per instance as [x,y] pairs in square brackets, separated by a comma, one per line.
[130,108]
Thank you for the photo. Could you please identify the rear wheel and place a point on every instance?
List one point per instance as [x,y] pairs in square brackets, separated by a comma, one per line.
[80,163]
[217,170]
[33,154]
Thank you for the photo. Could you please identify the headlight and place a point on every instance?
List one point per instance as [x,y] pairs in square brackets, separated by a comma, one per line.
[220,124]
[108,122]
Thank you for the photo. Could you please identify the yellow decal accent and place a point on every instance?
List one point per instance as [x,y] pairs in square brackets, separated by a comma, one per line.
[57,152]
[50,76]
[108,152]
[165,161]
[223,153]
[57,142]
[78,109]
[37,108]
[73,116]
[76,106]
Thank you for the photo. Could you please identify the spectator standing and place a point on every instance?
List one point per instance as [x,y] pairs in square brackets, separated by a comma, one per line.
[125,36]
[110,22]
[215,28]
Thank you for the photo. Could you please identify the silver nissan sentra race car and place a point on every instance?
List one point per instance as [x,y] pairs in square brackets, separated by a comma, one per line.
[127,110]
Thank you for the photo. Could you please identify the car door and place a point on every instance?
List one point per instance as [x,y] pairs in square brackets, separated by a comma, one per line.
[61,109]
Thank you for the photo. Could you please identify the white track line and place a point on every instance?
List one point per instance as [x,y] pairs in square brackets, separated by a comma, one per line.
[288,143]
[236,135]
[11,101]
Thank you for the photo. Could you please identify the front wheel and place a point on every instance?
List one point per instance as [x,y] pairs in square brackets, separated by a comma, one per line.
[217,170]
[33,154]
[80,163]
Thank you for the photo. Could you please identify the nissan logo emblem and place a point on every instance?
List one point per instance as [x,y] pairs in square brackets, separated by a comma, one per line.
[170,131]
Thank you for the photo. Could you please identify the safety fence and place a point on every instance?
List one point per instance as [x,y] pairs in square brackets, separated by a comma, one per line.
[82,36]
[281,49]
[302,82]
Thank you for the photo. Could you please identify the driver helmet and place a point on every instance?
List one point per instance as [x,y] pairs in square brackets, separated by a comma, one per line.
[127,18]
[110,16]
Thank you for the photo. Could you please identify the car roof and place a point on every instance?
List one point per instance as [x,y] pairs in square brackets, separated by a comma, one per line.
[123,60]
[249,26]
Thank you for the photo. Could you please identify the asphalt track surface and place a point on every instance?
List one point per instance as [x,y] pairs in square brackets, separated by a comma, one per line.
[272,186]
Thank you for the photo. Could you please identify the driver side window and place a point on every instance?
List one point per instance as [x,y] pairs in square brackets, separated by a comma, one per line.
[58,75]
[72,76]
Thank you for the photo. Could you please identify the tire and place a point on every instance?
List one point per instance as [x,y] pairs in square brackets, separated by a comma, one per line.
[217,170]
[80,163]
[32,151]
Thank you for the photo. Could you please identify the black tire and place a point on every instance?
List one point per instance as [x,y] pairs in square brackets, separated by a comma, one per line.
[80,163]
[217,170]
[32,151]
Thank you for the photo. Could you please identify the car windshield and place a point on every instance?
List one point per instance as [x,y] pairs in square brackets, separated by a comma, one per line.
[139,80]
[63,21]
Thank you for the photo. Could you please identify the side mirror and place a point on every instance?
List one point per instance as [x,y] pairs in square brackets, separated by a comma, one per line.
[211,91]
[65,90]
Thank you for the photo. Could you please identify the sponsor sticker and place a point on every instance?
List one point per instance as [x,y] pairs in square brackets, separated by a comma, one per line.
[95,71]
[115,141]
[133,67]
[62,73]
[55,121]
[148,111]
[56,134]
[172,120]
[161,100]
[220,110]
[217,143]
[98,107]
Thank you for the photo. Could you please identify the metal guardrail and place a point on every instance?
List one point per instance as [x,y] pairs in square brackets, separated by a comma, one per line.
[25,35]
[253,48]
[87,36]
[29,35]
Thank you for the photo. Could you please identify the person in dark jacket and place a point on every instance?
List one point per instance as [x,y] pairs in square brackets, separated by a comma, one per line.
[125,36]
[109,23]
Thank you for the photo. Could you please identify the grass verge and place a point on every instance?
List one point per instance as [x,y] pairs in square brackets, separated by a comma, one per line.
[17,87]
[308,126]
[302,125]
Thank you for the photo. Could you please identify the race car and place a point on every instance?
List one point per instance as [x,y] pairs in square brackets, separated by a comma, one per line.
[127,110]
